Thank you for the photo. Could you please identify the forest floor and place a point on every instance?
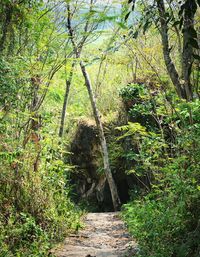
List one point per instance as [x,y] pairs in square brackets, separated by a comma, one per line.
[104,235]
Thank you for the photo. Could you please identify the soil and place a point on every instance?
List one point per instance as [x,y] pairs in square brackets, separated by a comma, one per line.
[104,235]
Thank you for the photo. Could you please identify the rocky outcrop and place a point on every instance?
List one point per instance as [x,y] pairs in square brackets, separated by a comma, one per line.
[88,180]
[89,183]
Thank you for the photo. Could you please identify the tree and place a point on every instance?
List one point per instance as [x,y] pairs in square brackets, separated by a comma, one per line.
[68,82]
[77,47]
[161,15]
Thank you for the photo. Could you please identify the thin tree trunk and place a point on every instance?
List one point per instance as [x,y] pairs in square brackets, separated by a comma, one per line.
[111,182]
[5,26]
[68,85]
[180,47]
[166,50]
[188,25]
[135,71]
[108,173]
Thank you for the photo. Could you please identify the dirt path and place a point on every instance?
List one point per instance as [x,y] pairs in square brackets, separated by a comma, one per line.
[104,235]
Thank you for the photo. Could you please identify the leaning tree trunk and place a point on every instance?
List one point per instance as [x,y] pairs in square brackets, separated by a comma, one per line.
[111,182]
[166,50]
[68,85]
[108,173]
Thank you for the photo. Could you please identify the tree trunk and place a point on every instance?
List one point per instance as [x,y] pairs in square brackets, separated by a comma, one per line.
[108,173]
[166,50]
[68,85]
[178,34]
[187,60]
[5,26]
[111,182]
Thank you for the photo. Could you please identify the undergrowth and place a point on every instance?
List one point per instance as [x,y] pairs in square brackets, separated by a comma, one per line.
[164,219]
[36,210]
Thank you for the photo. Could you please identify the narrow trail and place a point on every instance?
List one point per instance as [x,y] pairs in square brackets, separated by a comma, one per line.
[104,235]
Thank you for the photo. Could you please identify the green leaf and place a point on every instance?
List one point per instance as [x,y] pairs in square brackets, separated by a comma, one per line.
[122,25]
[132,128]
[132,171]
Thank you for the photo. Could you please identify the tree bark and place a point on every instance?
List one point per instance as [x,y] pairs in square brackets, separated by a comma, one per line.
[111,182]
[187,60]
[177,31]
[5,26]
[166,50]
[68,85]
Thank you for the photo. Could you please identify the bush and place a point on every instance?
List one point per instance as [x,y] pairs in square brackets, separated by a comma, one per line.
[36,210]
[165,220]
[133,91]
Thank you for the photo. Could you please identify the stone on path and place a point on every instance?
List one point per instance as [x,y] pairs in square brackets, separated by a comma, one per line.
[104,235]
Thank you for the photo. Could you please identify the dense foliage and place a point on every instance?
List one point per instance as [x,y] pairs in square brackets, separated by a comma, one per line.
[166,219]
[35,206]
[133,68]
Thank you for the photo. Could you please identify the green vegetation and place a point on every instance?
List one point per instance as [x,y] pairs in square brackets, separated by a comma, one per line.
[100,108]
[166,219]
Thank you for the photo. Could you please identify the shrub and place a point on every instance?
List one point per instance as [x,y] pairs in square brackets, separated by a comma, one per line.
[36,210]
[166,220]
